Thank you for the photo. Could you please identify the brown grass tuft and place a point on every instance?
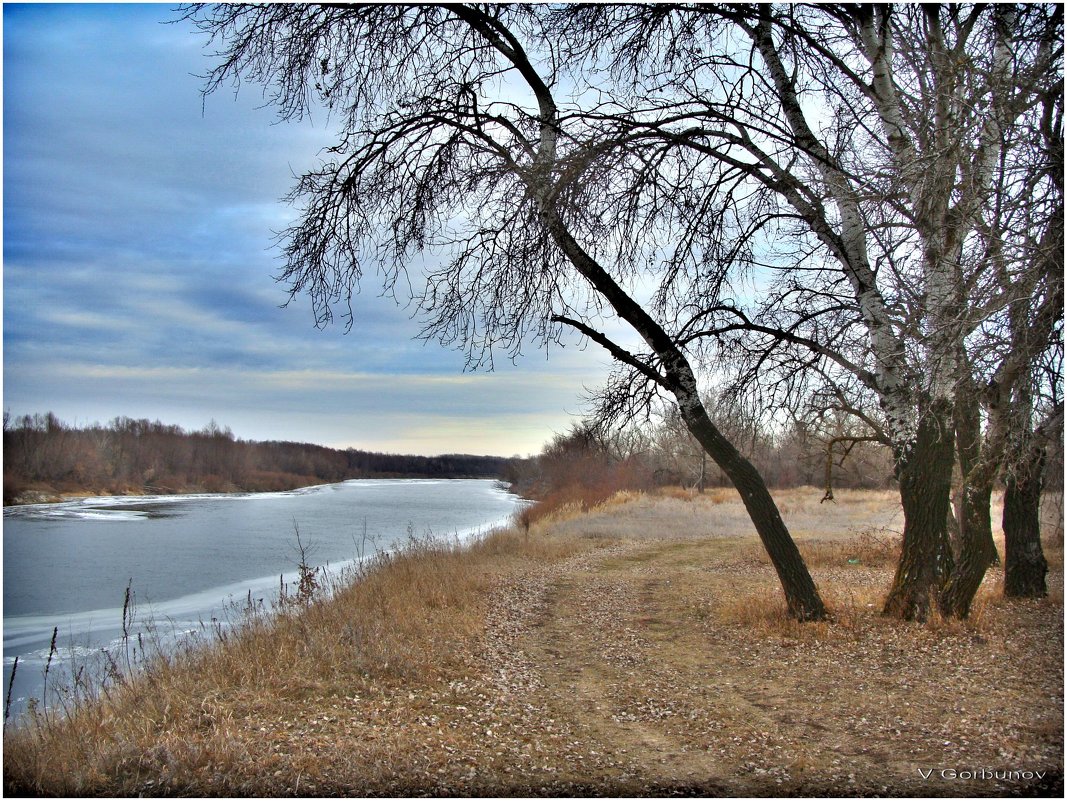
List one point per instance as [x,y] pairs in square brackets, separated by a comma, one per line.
[721,495]
[871,548]
[678,493]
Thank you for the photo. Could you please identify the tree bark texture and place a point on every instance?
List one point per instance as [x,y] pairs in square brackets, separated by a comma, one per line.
[976,549]
[1024,560]
[925,475]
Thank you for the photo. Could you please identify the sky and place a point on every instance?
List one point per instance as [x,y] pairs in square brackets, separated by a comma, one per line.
[138,263]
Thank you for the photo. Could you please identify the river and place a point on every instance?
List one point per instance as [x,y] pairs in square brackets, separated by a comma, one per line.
[191,560]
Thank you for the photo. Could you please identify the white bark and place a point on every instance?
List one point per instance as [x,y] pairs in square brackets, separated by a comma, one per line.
[887,348]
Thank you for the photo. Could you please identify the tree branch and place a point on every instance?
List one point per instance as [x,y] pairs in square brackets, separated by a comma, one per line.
[617,353]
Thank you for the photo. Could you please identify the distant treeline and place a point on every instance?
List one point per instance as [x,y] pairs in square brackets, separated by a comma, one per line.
[45,456]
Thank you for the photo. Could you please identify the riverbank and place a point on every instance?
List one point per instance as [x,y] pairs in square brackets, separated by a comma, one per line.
[638,649]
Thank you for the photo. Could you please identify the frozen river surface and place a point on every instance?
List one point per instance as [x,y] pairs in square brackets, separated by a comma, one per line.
[191,558]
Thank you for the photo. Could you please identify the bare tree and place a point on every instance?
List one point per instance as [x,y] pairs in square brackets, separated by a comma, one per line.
[864,160]
[461,141]
[1013,278]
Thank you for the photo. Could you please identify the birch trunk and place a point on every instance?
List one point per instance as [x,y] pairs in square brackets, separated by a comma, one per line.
[977,467]
[922,437]
[925,476]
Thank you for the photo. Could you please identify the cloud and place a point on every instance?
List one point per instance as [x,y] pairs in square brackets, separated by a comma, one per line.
[138,272]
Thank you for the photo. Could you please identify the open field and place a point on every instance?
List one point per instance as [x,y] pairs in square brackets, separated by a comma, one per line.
[637,649]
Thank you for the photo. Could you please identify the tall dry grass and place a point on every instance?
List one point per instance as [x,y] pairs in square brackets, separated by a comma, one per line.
[397,620]
[569,501]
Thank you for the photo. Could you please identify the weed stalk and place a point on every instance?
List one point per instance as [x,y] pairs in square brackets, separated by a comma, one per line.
[48,665]
[127,619]
[10,687]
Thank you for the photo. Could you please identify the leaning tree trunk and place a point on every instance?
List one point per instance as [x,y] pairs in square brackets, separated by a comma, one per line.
[802,597]
[1024,561]
[676,376]
[976,548]
[801,594]
[925,475]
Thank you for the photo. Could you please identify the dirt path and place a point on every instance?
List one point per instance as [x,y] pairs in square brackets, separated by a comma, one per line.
[615,669]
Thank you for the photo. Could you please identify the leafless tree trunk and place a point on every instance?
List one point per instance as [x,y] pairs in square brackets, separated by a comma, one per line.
[1025,566]
[925,476]
[976,550]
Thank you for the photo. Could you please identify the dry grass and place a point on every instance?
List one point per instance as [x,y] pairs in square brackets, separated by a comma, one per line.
[182,726]
[639,648]
[570,501]
[678,493]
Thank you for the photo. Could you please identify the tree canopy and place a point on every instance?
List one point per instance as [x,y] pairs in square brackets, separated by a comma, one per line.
[850,210]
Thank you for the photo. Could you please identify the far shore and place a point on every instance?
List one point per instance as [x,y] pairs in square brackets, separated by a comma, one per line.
[50,495]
